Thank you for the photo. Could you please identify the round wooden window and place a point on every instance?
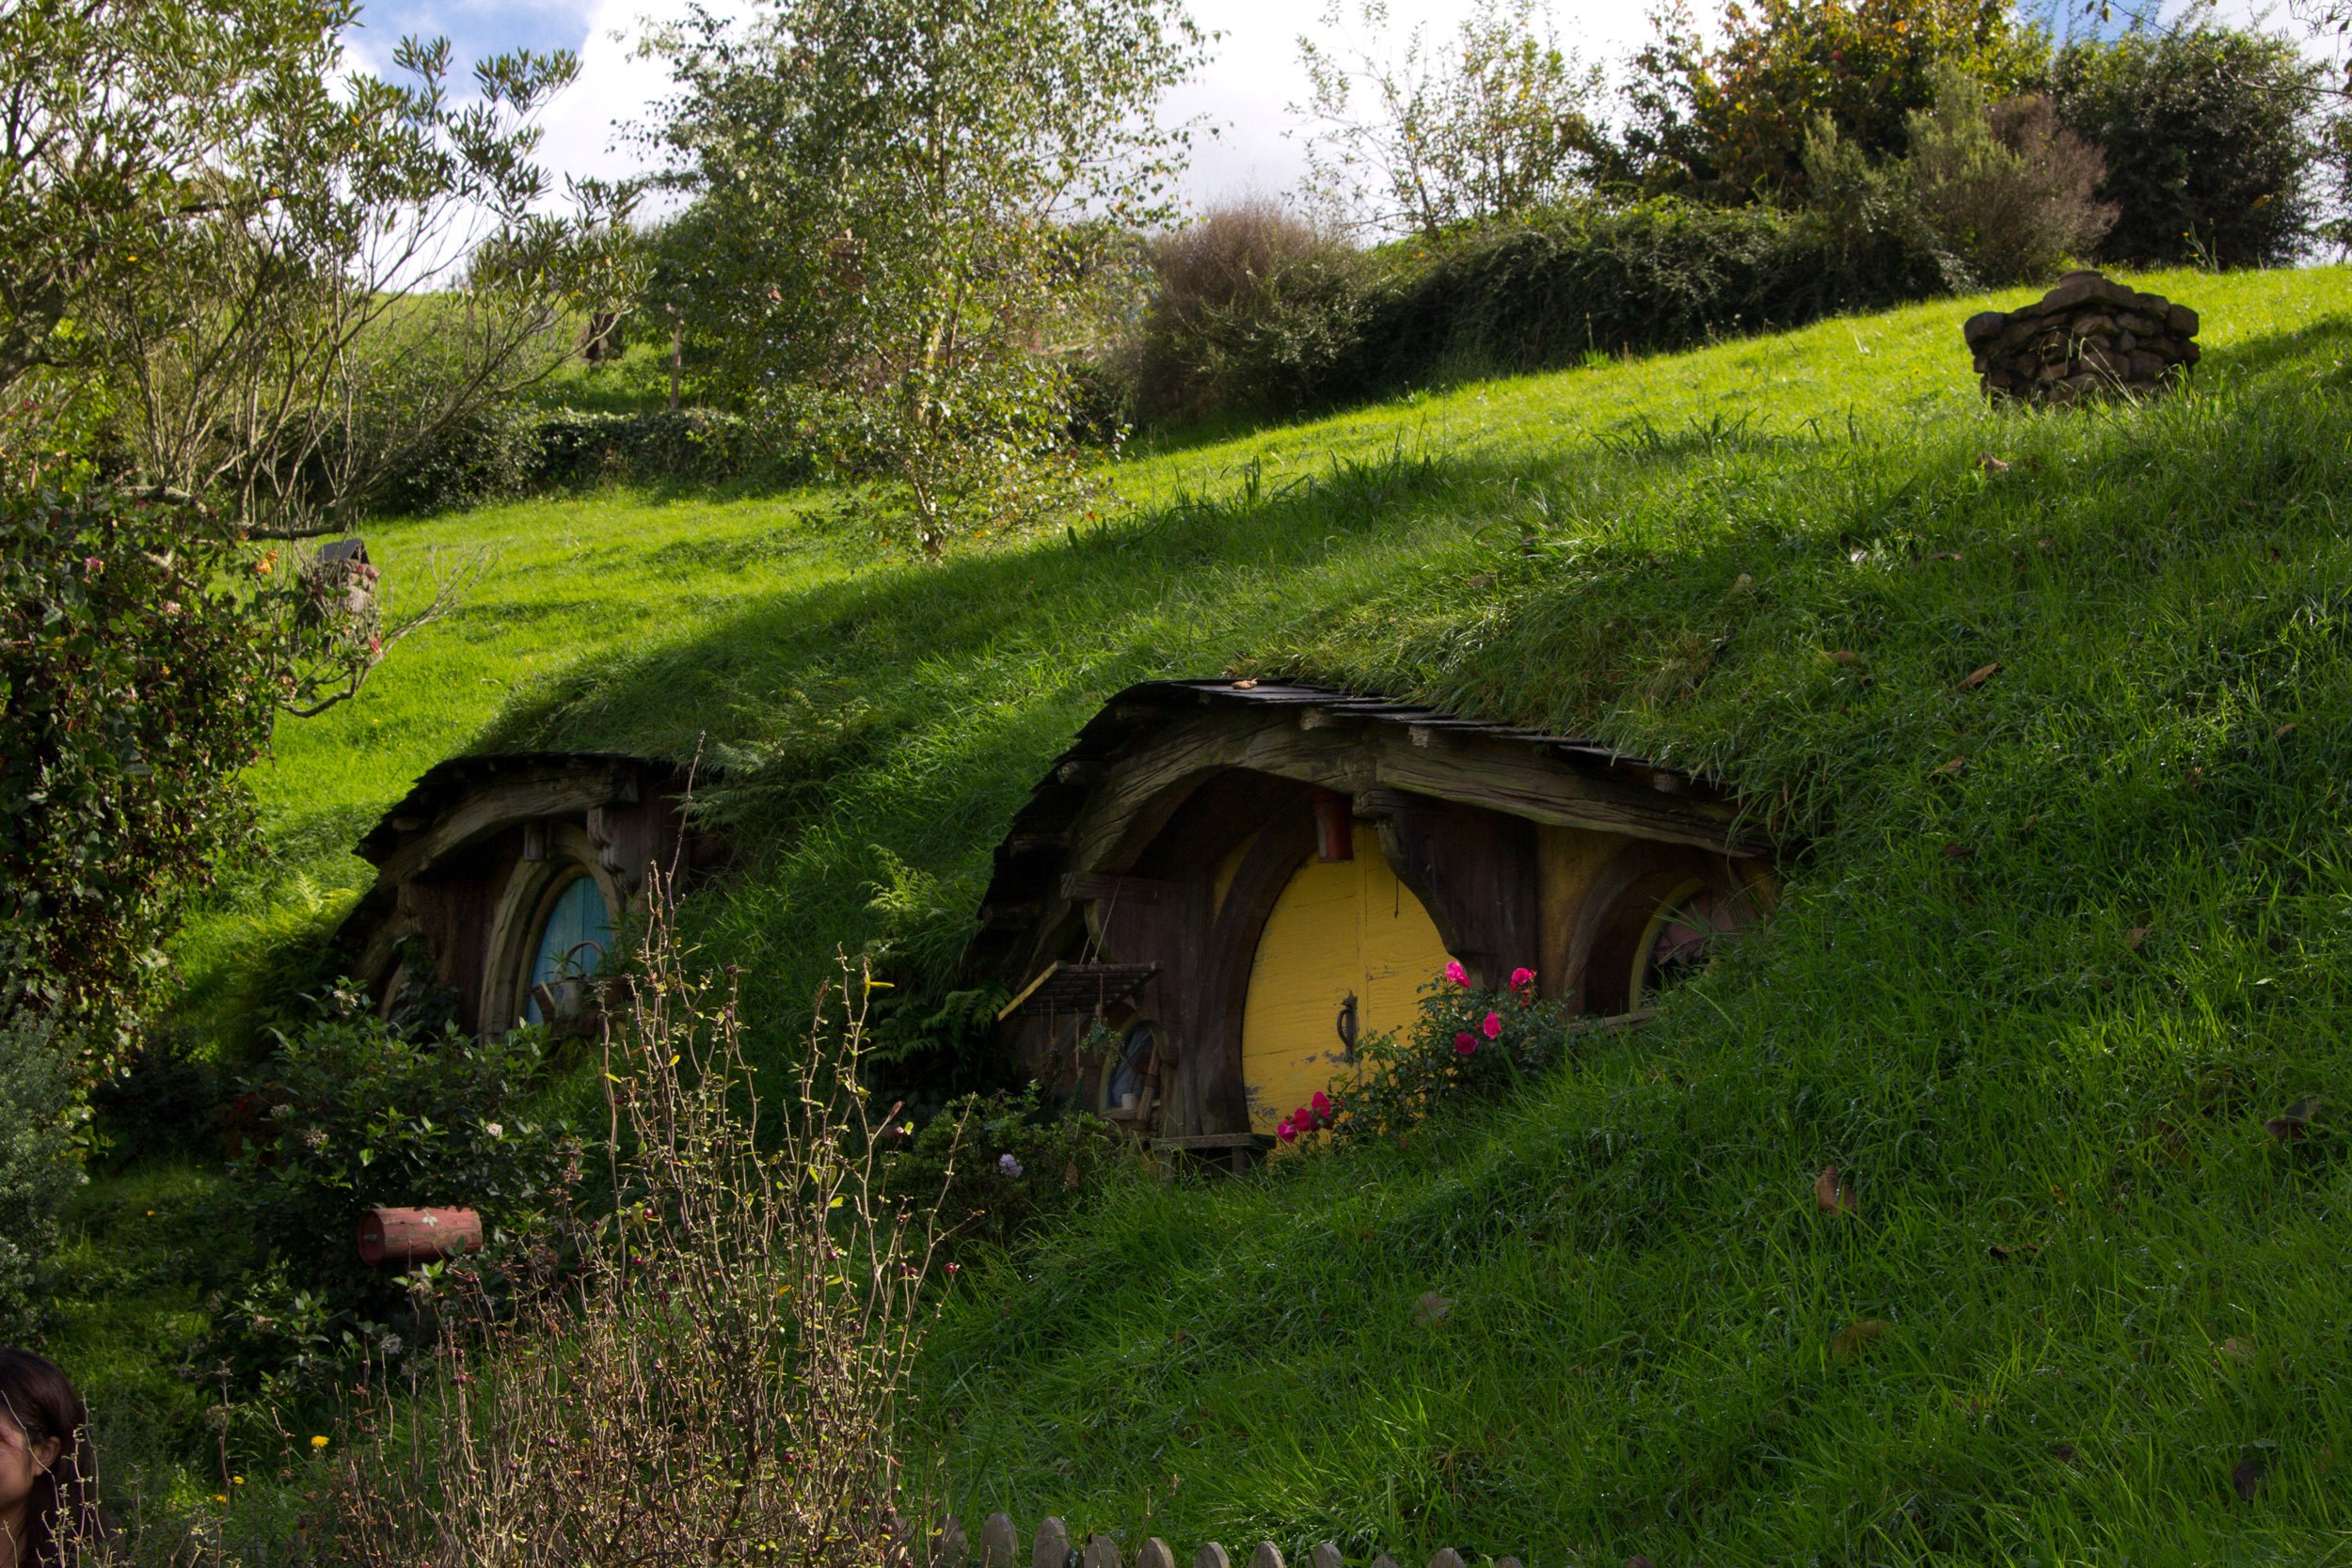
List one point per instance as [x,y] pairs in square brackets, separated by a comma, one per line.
[573,942]
[1689,929]
[1127,1072]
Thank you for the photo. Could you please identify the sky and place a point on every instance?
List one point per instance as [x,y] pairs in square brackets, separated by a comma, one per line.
[1242,94]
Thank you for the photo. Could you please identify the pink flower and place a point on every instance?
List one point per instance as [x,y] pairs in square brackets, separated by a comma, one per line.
[92,563]
[1456,972]
[1464,1043]
[1288,1134]
[1493,1027]
[1321,1103]
[1522,978]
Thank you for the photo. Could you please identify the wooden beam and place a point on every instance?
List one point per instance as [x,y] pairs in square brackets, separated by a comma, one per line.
[1104,887]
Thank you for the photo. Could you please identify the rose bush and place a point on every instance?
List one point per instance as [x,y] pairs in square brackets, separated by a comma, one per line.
[1468,1042]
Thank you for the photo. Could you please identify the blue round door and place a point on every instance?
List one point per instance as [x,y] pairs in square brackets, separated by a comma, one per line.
[572,946]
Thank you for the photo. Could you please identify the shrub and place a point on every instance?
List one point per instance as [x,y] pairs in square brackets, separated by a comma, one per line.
[39,1171]
[574,448]
[1467,1041]
[2009,191]
[350,1112]
[1000,1163]
[2208,142]
[1236,295]
[721,1378]
[139,665]
[1656,274]
[1724,113]
[485,453]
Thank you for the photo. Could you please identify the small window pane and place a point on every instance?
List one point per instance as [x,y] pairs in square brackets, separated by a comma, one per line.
[572,944]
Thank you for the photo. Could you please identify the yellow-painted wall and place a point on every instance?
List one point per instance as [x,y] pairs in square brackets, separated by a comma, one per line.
[1338,926]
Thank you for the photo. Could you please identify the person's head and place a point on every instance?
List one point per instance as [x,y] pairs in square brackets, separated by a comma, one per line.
[45,1464]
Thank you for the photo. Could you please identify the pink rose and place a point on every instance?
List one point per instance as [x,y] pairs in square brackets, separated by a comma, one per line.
[1321,1103]
[1456,972]
[1288,1134]
[1465,1042]
[1522,978]
[1493,1027]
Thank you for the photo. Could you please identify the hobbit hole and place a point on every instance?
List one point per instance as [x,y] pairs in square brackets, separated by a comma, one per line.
[501,881]
[1221,886]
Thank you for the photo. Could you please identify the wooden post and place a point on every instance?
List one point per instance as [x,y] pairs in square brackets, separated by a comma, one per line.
[1102,1552]
[1000,1544]
[1325,1556]
[1211,1556]
[1447,1557]
[1155,1554]
[1384,1561]
[950,1547]
[1269,1555]
[1051,1549]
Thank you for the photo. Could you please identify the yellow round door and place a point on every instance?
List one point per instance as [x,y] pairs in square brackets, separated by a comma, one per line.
[1340,929]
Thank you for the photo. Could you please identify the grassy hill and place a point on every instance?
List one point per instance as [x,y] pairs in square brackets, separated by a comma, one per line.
[2052,948]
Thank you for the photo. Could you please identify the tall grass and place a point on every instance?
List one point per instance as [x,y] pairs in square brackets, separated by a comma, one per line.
[2042,1001]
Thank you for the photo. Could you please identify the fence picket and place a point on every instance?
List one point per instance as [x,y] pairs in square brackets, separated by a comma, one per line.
[1447,1557]
[1155,1554]
[1269,1555]
[1327,1556]
[950,1547]
[1101,1552]
[1000,1544]
[1211,1556]
[1051,1549]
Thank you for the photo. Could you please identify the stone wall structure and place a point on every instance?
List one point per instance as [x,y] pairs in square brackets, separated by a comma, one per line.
[2087,337]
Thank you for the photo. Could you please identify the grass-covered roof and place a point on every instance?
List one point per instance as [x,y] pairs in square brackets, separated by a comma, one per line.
[2059,943]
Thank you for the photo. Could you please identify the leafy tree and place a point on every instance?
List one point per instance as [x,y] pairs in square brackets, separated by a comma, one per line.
[1725,117]
[219,237]
[1499,124]
[903,211]
[2211,137]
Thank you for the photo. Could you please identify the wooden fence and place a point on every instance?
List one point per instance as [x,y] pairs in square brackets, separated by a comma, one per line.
[999,1546]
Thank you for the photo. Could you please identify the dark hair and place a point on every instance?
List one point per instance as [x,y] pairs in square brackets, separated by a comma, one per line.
[40,1401]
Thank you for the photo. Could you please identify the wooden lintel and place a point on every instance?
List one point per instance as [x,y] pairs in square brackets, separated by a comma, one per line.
[1432,737]
[1007,914]
[1106,887]
[1324,719]
[1026,843]
[1080,772]
[1545,791]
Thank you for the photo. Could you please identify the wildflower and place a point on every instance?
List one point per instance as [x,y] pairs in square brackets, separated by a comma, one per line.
[1009,1165]
[1522,978]
[319,1442]
[494,1129]
[1492,1028]
[1456,972]
[1465,1043]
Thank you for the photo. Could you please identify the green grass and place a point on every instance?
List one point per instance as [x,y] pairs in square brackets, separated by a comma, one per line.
[1638,1359]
